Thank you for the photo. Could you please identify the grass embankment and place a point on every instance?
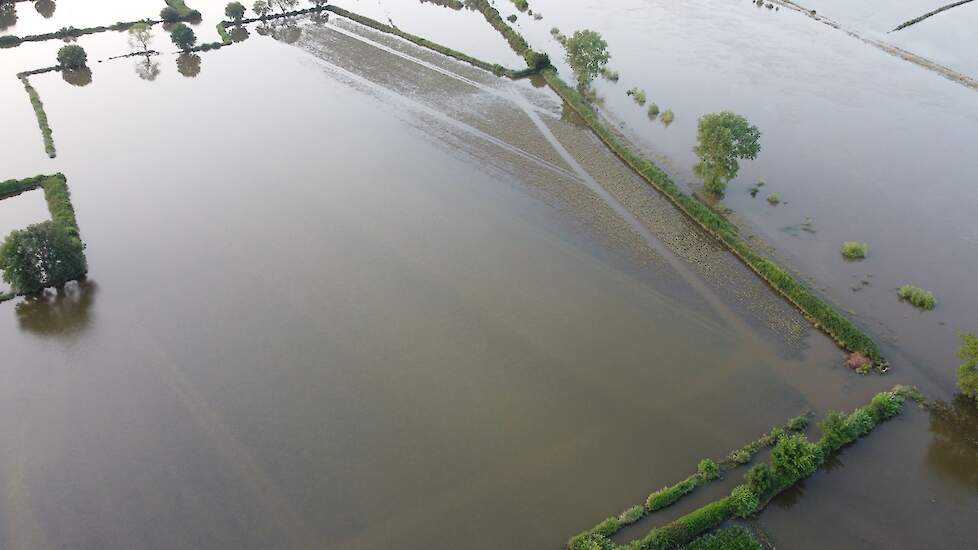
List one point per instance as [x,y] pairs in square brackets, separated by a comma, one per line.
[58,199]
[495,68]
[42,117]
[225,35]
[816,309]
[793,459]
[706,471]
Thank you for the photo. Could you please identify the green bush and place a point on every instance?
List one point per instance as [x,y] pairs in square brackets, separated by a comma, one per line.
[521,5]
[740,456]
[798,423]
[42,255]
[631,515]
[667,117]
[607,527]
[234,11]
[968,371]
[860,422]
[728,538]
[918,297]
[169,15]
[72,56]
[760,478]
[854,250]
[653,110]
[637,94]
[835,432]
[885,405]
[8,40]
[183,36]
[774,198]
[708,469]
[744,501]
[794,457]
[668,495]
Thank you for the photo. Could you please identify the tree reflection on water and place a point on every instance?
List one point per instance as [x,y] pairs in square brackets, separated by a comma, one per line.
[58,313]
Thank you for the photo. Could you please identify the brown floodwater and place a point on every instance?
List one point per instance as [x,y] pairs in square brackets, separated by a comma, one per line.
[345,293]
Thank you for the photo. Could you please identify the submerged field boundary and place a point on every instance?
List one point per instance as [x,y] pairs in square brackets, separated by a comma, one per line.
[707,471]
[932,13]
[819,312]
[794,458]
[494,68]
[58,199]
[942,70]
[42,117]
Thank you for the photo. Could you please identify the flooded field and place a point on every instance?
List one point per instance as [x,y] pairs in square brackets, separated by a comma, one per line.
[345,292]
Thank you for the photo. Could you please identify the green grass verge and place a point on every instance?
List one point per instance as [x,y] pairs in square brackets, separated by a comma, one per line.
[728,538]
[793,459]
[225,35]
[182,8]
[495,68]
[816,309]
[42,117]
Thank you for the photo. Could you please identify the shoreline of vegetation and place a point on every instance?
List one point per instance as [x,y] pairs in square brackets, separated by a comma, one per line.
[38,105]
[816,309]
[706,471]
[494,68]
[66,253]
[793,459]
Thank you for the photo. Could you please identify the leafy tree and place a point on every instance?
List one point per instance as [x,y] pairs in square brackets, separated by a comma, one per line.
[794,457]
[262,8]
[183,37]
[140,35]
[46,8]
[708,469]
[235,10]
[587,54]
[968,372]
[40,256]
[169,14]
[835,432]
[744,500]
[72,56]
[285,5]
[723,138]
[8,14]
[760,478]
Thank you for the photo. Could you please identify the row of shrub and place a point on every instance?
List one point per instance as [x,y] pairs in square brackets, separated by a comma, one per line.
[534,60]
[728,538]
[495,68]
[55,194]
[817,310]
[42,117]
[793,458]
[178,10]
[706,471]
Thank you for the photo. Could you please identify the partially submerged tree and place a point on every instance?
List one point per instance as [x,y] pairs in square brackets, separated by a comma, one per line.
[188,64]
[587,54]
[46,8]
[41,256]
[235,11]
[968,372]
[183,36]
[723,138]
[140,36]
[262,8]
[72,56]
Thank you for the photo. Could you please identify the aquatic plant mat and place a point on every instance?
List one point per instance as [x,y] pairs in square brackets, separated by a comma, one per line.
[793,458]
[819,312]
[58,199]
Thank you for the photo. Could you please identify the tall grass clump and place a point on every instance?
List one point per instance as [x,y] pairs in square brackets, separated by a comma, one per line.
[728,538]
[667,117]
[653,110]
[854,250]
[918,297]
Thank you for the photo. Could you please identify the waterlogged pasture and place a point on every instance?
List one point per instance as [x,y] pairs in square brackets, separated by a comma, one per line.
[345,293]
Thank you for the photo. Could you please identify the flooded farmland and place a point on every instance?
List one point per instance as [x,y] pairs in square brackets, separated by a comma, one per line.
[345,291]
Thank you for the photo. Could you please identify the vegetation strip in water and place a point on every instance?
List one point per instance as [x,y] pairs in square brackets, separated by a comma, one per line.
[932,13]
[42,117]
[63,220]
[495,68]
[816,309]
[706,471]
[793,459]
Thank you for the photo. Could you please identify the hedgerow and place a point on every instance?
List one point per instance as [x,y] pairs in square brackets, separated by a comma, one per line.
[42,117]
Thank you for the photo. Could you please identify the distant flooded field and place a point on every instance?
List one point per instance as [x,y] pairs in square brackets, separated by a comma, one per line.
[345,292]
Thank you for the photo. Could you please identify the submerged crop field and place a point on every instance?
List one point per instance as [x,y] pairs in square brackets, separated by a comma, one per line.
[487,274]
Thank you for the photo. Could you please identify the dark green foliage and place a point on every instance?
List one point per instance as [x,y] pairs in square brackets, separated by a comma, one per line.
[968,371]
[521,5]
[708,469]
[885,405]
[823,315]
[587,54]
[8,40]
[835,433]
[794,457]
[169,15]
[723,138]
[728,538]
[760,478]
[797,423]
[688,527]
[40,256]
[536,60]
[234,10]
[72,56]
[744,501]
[183,12]
[854,250]
[511,18]
[860,422]
[631,515]
[183,36]
[42,117]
